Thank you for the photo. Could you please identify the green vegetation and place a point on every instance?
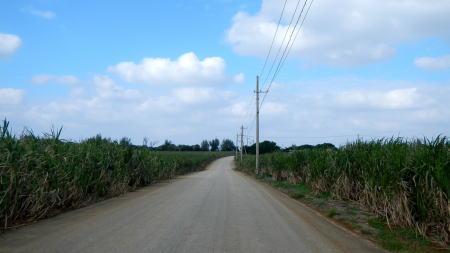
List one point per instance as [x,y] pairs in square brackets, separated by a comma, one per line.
[42,175]
[332,213]
[264,147]
[406,182]
[297,191]
[400,240]
[213,145]
[309,147]
[352,211]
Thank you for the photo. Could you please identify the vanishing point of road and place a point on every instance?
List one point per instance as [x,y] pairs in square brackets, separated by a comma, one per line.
[216,210]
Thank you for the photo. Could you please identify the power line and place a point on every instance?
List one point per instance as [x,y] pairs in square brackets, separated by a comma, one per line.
[291,44]
[248,114]
[279,50]
[273,39]
[301,25]
[288,47]
[282,43]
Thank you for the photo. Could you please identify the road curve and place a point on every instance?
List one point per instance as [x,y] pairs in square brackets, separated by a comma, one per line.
[216,210]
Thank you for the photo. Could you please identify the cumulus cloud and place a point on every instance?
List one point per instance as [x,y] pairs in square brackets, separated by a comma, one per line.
[393,99]
[65,79]
[239,78]
[434,64]
[10,96]
[342,33]
[42,14]
[239,109]
[162,104]
[9,43]
[107,88]
[321,108]
[273,108]
[337,110]
[193,95]
[186,70]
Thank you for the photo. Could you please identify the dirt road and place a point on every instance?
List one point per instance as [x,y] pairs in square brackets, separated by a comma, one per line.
[216,210]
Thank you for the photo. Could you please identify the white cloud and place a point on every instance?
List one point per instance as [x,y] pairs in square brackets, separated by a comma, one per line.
[326,107]
[68,79]
[77,91]
[65,79]
[186,70]
[394,99]
[42,14]
[408,98]
[10,96]
[435,64]
[335,110]
[238,109]
[342,33]
[193,95]
[107,88]
[160,104]
[239,78]
[9,43]
[76,88]
[272,108]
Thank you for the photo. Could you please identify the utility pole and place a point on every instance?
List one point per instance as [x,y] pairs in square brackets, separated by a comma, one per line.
[242,140]
[236,146]
[257,91]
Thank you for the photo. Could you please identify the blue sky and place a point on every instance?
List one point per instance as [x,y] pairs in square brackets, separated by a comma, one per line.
[186,71]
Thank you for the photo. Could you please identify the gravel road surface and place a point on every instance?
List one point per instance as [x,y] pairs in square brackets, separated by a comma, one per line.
[216,210]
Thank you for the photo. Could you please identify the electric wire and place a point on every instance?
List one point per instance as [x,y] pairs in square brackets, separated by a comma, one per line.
[273,39]
[288,48]
[270,49]
[282,44]
[250,126]
[248,114]
[286,51]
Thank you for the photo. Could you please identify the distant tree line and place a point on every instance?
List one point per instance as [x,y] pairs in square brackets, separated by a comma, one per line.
[270,147]
[213,145]
[308,147]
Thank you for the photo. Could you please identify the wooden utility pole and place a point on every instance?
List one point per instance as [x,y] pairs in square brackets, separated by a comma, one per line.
[257,125]
[236,146]
[257,91]
[242,140]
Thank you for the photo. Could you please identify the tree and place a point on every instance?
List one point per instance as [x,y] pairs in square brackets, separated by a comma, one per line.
[125,141]
[215,143]
[327,146]
[204,146]
[196,147]
[186,148]
[145,142]
[168,146]
[264,147]
[227,145]
[305,147]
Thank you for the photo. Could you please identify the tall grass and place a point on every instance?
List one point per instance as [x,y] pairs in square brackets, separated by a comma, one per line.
[41,175]
[406,182]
